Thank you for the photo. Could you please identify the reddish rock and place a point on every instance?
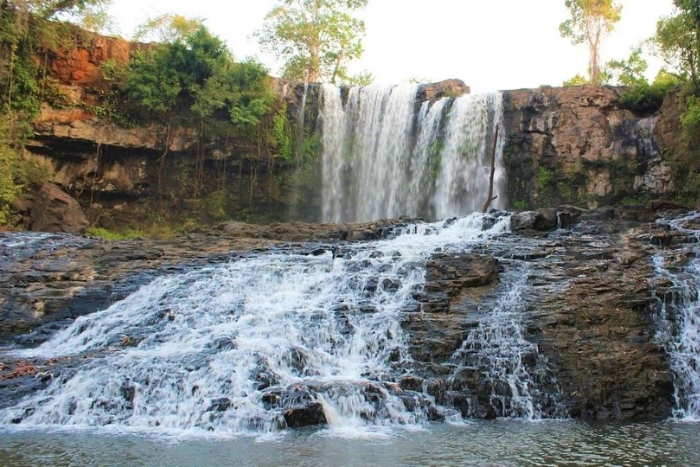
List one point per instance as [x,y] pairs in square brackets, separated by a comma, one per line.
[81,65]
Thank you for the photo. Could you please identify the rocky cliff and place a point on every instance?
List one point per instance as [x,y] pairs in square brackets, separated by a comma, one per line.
[578,145]
[575,145]
[128,176]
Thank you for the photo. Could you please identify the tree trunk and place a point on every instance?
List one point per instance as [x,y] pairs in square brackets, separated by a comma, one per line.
[491,197]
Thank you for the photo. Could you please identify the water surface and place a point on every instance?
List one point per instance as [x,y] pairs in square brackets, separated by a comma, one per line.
[488,444]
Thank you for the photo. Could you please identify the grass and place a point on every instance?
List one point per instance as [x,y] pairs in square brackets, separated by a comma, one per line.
[113,235]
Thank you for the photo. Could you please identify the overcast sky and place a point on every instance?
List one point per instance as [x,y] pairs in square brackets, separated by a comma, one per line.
[489,44]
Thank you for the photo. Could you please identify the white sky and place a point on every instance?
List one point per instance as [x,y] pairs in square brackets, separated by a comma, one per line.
[489,44]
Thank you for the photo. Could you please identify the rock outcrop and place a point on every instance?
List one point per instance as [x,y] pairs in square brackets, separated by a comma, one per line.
[55,211]
[578,145]
[587,298]
[574,145]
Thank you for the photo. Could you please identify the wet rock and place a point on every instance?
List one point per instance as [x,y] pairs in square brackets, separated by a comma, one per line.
[545,220]
[220,405]
[412,383]
[128,392]
[309,415]
[666,205]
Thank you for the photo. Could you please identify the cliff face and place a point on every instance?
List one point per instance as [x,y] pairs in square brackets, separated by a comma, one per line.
[573,145]
[121,176]
[577,145]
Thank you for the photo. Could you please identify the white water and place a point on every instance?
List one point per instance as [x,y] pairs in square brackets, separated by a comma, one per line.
[383,157]
[463,183]
[229,348]
[681,313]
[498,346]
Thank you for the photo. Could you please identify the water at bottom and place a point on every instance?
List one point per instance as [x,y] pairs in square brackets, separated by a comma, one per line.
[487,444]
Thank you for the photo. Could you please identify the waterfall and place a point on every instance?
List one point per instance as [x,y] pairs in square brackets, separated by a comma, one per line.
[385,155]
[234,348]
[300,132]
[498,345]
[680,314]
[465,158]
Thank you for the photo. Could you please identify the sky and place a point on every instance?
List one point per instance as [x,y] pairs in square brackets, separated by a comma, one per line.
[489,44]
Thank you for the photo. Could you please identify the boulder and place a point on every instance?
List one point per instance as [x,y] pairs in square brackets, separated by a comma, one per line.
[303,416]
[56,211]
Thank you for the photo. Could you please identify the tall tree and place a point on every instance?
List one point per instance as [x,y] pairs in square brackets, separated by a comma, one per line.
[315,38]
[677,41]
[590,22]
[167,27]
[629,72]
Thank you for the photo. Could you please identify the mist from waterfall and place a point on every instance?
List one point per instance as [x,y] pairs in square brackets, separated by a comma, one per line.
[386,155]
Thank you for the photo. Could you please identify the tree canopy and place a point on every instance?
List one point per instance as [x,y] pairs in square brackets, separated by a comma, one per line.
[315,38]
[167,27]
[198,74]
[627,72]
[590,22]
[677,41]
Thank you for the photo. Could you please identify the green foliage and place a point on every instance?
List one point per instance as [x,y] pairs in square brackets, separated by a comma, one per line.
[628,72]
[362,79]
[198,78]
[577,80]
[112,71]
[310,148]
[590,22]
[115,235]
[314,38]
[520,205]
[49,9]
[677,42]
[645,98]
[282,134]
[215,205]
[8,187]
[690,120]
[545,177]
[152,82]
[167,28]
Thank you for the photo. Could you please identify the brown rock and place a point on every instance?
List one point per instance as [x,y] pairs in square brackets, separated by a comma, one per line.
[56,211]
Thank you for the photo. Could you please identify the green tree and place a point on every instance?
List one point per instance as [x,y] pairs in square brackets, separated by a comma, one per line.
[590,22]
[629,72]
[52,9]
[167,28]
[577,80]
[315,38]
[195,81]
[197,75]
[677,41]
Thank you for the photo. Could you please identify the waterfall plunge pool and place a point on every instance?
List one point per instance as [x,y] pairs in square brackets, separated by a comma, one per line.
[502,443]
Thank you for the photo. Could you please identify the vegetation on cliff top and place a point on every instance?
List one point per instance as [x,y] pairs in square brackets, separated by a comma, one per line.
[315,38]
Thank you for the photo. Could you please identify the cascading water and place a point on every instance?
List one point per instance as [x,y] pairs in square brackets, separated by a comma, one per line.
[498,346]
[680,313]
[465,161]
[383,157]
[293,214]
[235,348]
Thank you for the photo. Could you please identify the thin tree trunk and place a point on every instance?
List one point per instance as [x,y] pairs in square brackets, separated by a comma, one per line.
[161,167]
[491,197]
